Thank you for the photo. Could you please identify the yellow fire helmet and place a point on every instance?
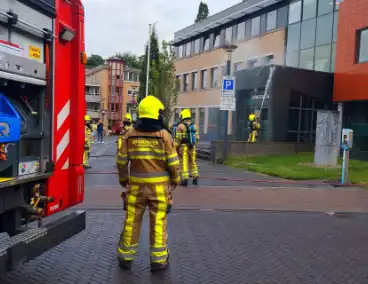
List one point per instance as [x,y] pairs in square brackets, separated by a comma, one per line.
[185,114]
[87,118]
[128,117]
[251,117]
[150,107]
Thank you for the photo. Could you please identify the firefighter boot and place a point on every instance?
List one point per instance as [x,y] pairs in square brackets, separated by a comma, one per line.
[185,183]
[195,181]
[125,264]
[155,267]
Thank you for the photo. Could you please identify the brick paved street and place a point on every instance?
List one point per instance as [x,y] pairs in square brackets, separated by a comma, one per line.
[217,246]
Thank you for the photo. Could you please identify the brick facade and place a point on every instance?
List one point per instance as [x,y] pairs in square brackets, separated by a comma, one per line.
[351,80]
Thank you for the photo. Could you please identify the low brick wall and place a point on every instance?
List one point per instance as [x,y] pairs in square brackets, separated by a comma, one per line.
[257,149]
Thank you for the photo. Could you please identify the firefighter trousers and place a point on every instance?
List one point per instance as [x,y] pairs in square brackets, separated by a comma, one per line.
[189,156]
[253,136]
[157,197]
[86,153]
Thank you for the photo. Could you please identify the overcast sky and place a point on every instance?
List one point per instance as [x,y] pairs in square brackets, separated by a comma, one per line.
[122,25]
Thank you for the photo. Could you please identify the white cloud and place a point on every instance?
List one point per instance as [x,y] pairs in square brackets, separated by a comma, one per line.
[122,25]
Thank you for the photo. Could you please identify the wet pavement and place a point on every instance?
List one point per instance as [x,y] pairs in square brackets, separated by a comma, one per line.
[207,245]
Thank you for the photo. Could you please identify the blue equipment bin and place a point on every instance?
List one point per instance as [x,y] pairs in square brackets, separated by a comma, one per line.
[9,121]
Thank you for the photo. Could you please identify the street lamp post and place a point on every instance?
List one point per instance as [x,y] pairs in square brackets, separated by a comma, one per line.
[228,48]
[151,27]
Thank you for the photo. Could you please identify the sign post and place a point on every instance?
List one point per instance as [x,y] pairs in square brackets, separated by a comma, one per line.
[227,103]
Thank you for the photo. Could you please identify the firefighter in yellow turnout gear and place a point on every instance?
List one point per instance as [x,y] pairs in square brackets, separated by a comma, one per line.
[127,124]
[87,141]
[254,127]
[154,173]
[186,138]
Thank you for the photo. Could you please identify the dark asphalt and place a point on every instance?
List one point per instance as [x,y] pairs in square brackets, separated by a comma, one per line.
[214,247]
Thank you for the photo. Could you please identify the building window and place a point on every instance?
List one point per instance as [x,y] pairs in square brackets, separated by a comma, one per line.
[324,29]
[271,20]
[216,41]
[333,57]
[252,63]
[325,6]
[188,49]
[131,76]
[194,80]
[293,37]
[126,76]
[256,26]
[306,58]
[206,45]
[309,9]
[292,59]
[186,83]
[229,35]
[308,34]
[363,46]
[203,79]
[237,66]
[295,10]
[241,31]
[322,60]
[181,50]
[214,77]
[178,83]
[334,30]
[197,45]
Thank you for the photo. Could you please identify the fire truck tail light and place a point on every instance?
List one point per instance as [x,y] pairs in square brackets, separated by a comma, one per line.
[83,57]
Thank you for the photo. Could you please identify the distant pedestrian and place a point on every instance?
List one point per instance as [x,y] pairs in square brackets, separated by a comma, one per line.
[100,130]
[94,133]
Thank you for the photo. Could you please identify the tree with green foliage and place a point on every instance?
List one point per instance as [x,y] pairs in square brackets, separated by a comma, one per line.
[129,59]
[94,60]
[203,12]
[166,83]
[154,66]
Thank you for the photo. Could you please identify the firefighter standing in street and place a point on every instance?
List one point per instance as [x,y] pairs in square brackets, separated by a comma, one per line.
[154,173]
[87,141]
[127,124]
[253,126]
[186,139]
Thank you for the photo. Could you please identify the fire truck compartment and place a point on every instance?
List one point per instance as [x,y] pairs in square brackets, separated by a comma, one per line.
[9,121]
[32,242]
[32,152]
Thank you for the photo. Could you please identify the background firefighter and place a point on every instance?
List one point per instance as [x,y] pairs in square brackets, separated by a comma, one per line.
[127,124]
[253,126]
[186,139]
[87,141]
[154,167]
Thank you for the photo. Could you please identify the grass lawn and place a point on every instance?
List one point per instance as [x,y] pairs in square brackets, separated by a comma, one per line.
[299,167]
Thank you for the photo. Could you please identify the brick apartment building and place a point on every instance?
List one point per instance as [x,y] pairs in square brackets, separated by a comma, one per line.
[351,73]
[300,34]
[109,88]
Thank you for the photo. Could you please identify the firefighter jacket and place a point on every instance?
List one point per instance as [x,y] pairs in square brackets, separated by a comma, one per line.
[182,135]
[152,156]
[124,131]
[87,137]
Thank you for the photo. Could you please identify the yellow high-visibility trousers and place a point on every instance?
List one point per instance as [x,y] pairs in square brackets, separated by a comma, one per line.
[253,136]
[157,198]
[189,156]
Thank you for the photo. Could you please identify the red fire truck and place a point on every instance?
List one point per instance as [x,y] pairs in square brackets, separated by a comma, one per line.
[42,107]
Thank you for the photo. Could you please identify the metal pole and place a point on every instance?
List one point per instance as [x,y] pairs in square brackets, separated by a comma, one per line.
[224,153]
[148,59]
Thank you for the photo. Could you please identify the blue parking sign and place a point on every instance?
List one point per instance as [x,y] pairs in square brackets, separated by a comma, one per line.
[228,86]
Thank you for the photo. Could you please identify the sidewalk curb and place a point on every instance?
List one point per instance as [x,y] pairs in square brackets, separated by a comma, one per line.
[339,214]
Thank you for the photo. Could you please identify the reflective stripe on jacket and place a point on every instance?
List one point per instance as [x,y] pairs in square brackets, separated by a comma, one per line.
[152,155]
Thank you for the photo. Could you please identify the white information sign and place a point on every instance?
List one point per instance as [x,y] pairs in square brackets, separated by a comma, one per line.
[228,100]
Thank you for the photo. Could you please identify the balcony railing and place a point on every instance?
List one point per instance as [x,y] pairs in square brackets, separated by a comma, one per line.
[93,98]
[93,113]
